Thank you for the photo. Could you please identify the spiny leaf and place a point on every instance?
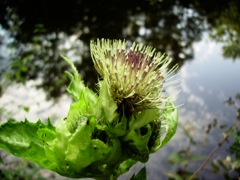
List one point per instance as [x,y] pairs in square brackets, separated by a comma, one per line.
[170,122]
[76,87]
[143,118]
[108,104]
[170,116]
[28,140]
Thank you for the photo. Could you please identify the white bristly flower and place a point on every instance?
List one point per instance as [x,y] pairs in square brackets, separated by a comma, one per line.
[135,75]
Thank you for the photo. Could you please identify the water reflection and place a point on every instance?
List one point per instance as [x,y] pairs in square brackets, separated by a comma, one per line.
[227,30]
[26,101]
[32,38]
[207,82]
[38,34]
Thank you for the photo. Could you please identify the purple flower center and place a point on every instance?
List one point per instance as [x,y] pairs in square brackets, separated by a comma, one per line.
[137,60]
[134,57]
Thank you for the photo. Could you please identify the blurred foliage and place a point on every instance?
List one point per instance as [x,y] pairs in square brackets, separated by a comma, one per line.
[227,30]
[225,167]
[23,170]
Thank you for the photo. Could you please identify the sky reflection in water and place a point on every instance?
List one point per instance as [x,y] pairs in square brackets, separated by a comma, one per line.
[31,39]
[206,83]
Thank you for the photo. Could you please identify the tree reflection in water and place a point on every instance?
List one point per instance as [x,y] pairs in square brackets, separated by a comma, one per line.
[34,33]
[39,33]
[39,30]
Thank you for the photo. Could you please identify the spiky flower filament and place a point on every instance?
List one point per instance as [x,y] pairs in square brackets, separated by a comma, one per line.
[135,76]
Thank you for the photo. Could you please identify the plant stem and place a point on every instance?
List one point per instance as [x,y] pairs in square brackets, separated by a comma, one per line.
[225,136]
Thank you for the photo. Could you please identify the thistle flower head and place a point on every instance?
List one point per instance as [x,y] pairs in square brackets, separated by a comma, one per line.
[135,75]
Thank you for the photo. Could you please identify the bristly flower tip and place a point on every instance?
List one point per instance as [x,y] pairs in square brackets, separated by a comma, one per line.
[135,75]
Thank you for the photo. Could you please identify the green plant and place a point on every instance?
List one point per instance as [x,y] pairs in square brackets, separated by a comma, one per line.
[104,134]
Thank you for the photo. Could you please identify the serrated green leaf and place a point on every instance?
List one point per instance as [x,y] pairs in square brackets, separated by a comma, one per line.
[28,140]
[126,165]
[143,118]
[170,122]
[170,116]
[86,99]
[80,110]
[82,153]
[76,87]
[120,128]
[89,146]
[108,104]
[139,140]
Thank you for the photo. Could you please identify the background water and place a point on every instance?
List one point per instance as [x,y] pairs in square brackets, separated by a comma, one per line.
[193,33]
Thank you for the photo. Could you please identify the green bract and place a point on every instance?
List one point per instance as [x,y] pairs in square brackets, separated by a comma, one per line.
[104,133]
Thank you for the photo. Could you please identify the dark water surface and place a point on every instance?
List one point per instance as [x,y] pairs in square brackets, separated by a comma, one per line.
[206,83]
[193,33]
